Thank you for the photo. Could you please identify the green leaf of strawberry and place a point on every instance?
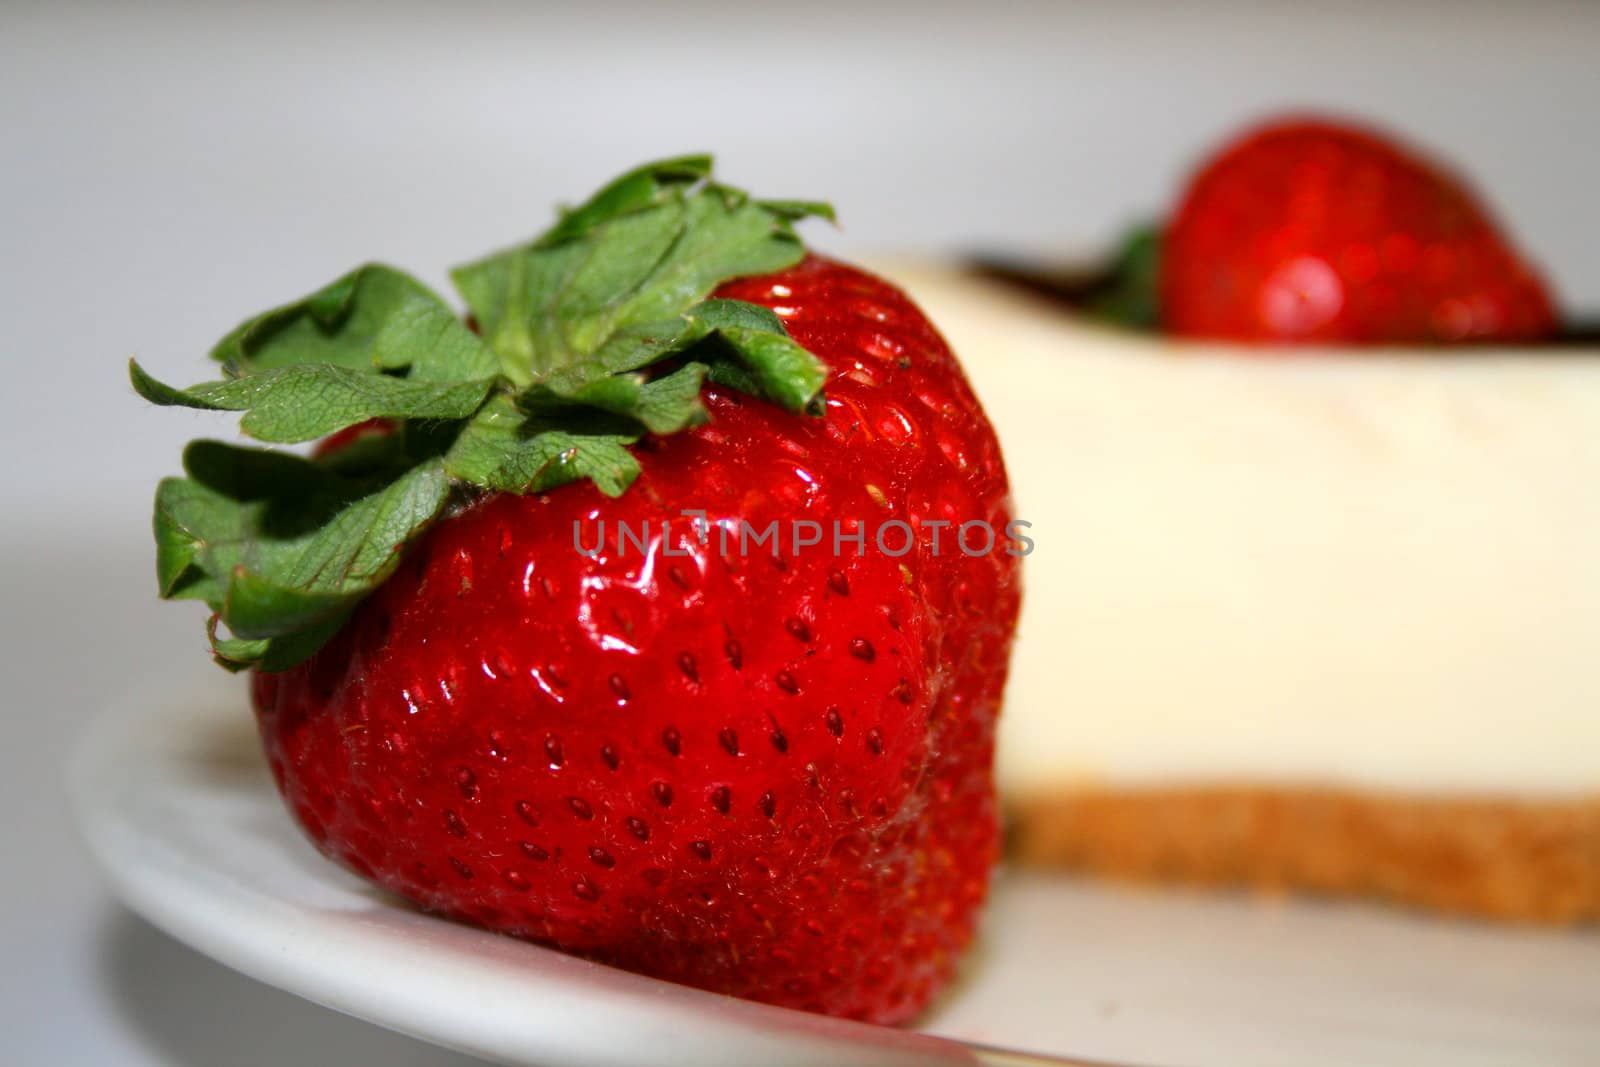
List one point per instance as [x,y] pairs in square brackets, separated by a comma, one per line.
[1128,294]
[311,400]
[764,361]
[374,318]
[640,252]
[503,448]
[277,545]
[593,335]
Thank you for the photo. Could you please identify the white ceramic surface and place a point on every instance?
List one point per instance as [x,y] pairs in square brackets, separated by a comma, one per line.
[175,803]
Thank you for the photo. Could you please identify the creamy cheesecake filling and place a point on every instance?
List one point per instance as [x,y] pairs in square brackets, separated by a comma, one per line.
[1355,569]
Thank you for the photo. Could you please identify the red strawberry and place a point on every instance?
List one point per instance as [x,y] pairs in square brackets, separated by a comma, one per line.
[767,776]
[1308,230]
[757,766]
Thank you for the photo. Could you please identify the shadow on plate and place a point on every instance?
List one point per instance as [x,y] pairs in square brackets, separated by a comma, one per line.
[193,1012]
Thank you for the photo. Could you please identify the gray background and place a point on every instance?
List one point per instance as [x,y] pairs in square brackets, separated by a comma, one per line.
[168,169]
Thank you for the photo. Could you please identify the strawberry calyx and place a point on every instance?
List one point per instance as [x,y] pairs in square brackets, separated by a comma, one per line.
[1127,294]
[600,331]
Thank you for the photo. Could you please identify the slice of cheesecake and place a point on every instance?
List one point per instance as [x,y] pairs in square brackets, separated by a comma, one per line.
[1327,620]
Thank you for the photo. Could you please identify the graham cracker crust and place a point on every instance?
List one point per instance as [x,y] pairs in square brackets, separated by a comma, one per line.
[1509,860]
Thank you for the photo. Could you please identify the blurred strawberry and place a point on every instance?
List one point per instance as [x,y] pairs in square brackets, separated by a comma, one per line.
[1312,230]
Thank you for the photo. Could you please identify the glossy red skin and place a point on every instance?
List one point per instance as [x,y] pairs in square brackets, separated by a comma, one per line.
[1317,231]
[769,778]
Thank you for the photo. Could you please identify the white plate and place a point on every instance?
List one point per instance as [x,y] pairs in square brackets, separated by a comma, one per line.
[176,804]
